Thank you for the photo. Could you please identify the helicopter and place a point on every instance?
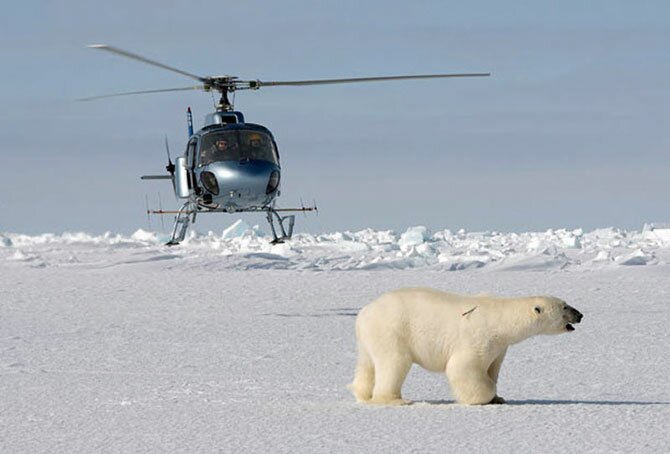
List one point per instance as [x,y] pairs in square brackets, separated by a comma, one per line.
[230,165]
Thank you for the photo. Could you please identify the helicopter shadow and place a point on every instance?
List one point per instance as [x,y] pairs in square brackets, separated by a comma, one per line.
[157,258]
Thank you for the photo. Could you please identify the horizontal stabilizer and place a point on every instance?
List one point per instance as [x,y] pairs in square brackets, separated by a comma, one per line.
[156,177]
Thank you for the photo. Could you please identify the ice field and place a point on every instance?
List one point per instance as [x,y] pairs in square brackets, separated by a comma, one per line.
[116,343]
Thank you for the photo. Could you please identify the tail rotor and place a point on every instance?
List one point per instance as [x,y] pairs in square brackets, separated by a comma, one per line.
[170,167]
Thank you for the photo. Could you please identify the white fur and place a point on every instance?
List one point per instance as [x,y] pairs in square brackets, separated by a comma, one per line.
[465,336]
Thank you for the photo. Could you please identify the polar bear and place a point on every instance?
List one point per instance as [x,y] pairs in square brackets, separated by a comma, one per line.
[465,336]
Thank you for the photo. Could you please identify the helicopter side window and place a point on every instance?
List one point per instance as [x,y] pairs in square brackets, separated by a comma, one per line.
[190,162]
[190,154]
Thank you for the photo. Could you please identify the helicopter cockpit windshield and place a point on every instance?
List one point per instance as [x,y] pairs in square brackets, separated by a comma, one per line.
[236,145]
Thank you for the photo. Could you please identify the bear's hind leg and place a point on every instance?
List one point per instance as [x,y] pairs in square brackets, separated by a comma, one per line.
[364,378]
[469,380]
[390,374]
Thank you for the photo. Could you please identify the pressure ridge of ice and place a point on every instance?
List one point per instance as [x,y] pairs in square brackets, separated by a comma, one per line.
[241,246]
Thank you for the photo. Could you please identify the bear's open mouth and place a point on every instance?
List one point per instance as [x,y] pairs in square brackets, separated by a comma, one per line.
[569,327]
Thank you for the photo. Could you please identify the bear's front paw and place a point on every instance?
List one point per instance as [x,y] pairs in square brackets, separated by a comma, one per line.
[497,400]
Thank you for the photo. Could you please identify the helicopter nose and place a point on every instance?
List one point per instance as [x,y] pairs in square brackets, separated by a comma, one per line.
[245,183]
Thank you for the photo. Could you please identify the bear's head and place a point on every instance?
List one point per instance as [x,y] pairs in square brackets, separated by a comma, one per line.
[553,315]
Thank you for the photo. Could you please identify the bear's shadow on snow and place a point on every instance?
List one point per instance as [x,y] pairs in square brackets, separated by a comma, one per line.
[337,312]
[584,402]
[551,402]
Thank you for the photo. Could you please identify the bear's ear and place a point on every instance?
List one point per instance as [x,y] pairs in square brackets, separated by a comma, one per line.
[538,309]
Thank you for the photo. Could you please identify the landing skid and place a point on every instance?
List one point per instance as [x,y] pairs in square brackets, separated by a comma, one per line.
[281,226]
[181,224]
[271,216]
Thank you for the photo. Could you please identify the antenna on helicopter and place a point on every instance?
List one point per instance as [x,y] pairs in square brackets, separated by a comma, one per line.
[189,121]
[146,202]
[160,207]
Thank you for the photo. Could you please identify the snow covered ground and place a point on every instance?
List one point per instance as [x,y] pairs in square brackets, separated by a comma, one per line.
[227,344]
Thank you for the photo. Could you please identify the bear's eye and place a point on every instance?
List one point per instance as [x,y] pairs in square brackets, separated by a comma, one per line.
[538,309]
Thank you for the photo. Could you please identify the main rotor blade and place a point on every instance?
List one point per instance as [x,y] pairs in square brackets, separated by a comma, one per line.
[144,92]
[362,79]
[125,53]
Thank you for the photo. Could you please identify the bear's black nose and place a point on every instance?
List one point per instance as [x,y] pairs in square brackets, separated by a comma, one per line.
[575,315]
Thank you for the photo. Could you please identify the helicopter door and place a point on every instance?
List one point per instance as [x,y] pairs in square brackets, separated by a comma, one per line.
[190,163]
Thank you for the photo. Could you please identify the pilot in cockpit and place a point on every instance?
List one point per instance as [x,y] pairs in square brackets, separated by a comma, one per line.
[221,150]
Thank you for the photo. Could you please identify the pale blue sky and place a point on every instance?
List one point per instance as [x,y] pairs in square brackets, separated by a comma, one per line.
[571,130]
